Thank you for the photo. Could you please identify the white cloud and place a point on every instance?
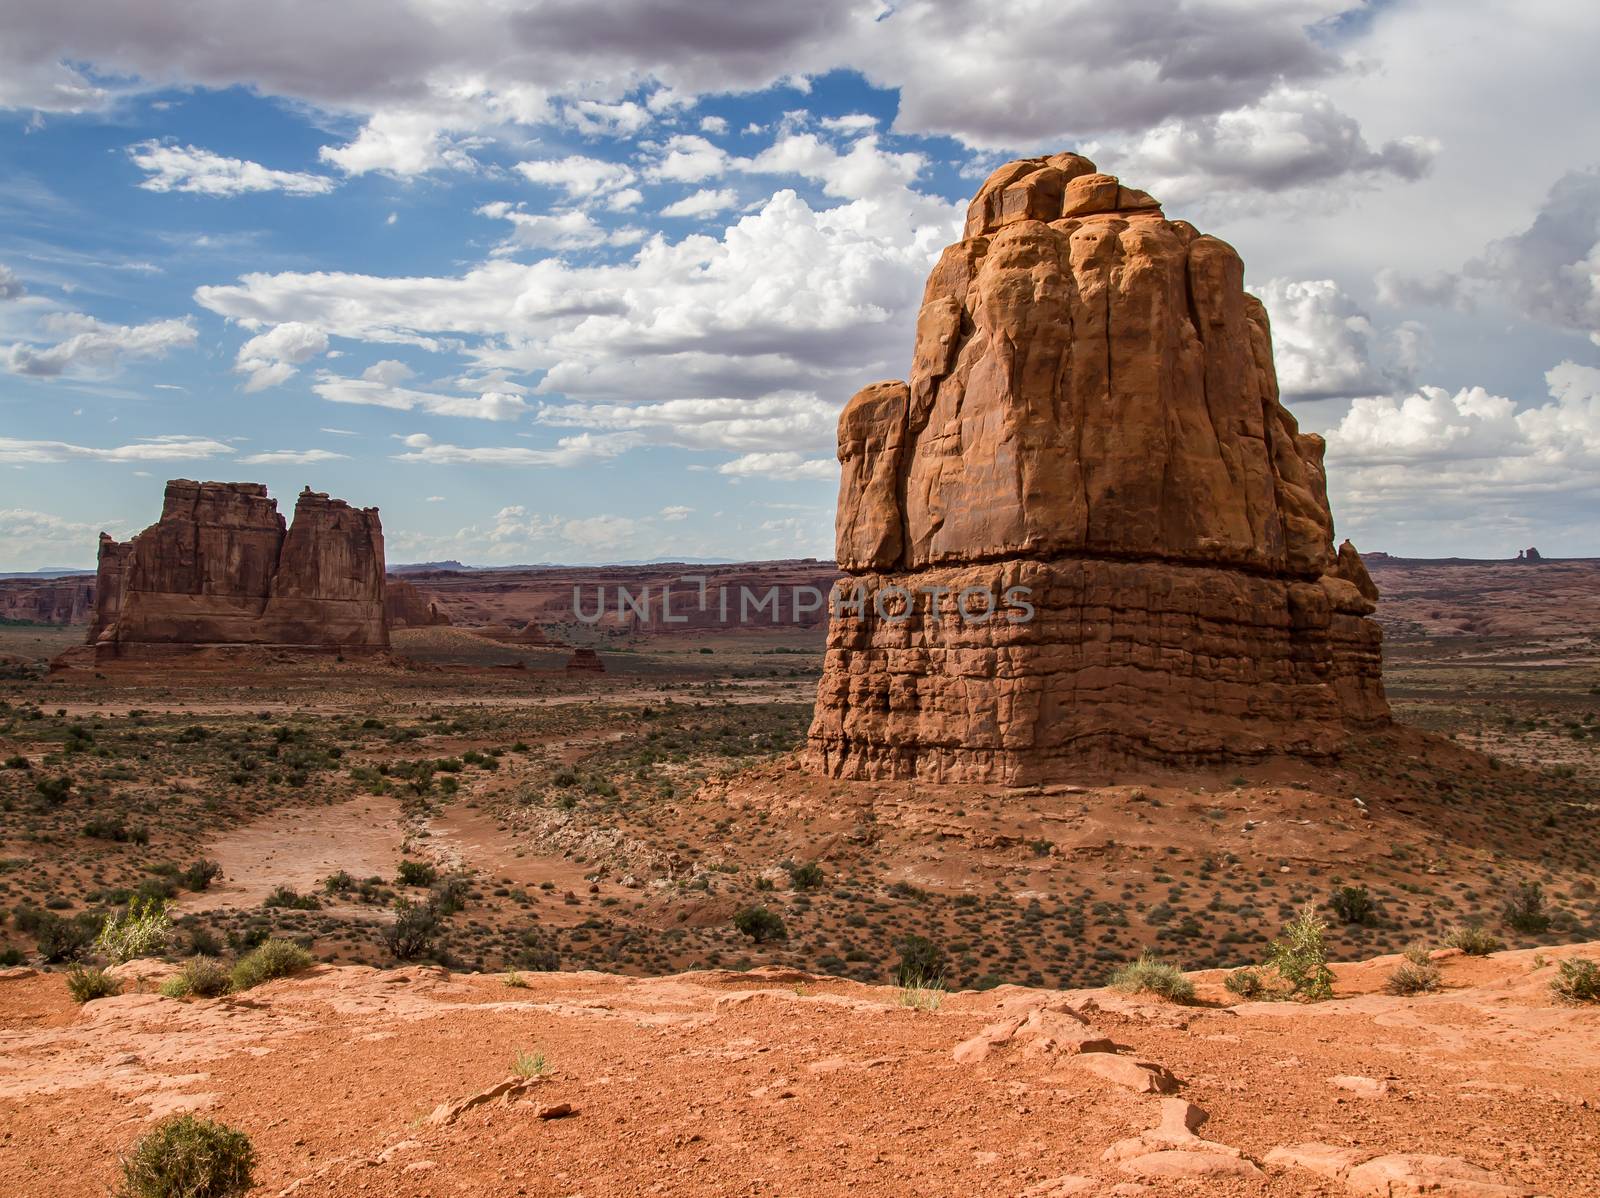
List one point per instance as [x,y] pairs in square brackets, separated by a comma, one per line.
[10,286]
[400,142]
[570,230]
[377,388]
[292,457]
[1290,139]
[688,159]
[569,451]
[713,124]
[595,118]
[675,512]
[580,177]
[784,464]
[191,169]
[1322,342]
[29,538]
[272,357]
[851,122]
[864,172]
[784,419]
[91,347]
[171,448]
[705,202]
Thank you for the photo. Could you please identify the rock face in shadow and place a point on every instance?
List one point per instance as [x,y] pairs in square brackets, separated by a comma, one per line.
[406,607]
[1092,438]
[221,569]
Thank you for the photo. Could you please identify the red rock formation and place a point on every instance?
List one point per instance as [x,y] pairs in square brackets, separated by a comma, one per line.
[47,600]
[585,659]
[406,607]
[1092,416]
[219,569]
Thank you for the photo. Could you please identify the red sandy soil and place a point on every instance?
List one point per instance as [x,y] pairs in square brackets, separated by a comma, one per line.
[351,1081]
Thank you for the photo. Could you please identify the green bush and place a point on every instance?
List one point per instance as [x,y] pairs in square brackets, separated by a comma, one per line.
[274,958]
[417,873]
[1300,957]
[199,976]
[922,962]
[805,877]
[189,1157]
[1577,980]
[760,924]
[141,930]
[1246,983]
[1413,977]
[1472,940]
[1354,904]
[200,875]
[62,939]
[283,896]
[1149,975]
[88,982]
[411,934]
[1524,909]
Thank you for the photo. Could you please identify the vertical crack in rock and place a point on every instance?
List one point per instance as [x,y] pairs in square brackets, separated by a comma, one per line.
[1093,417]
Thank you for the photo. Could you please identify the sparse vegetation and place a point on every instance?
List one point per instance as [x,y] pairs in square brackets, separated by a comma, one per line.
[922,962]
[1577,980]
[1471,939]
[1246,983]
[417,873]
[1300,957]
[1149,975]
[274,958]
[201,977]
[529,1065]
[922,996]
[760,924]
[189,1157]
[88,982]
[142,930]
[1354,905]
[410,936]
[1524,909]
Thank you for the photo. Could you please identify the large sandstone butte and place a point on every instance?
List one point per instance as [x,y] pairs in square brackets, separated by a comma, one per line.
[220,569]
[1092,415]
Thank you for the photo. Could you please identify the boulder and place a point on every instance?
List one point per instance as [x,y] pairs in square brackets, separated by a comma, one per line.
[1086,528]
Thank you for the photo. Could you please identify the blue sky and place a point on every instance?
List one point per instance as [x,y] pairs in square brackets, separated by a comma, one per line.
[550,287]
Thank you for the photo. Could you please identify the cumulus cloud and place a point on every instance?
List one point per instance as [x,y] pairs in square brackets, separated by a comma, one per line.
[378,387]
[90,347]
[570,230]
[171,448]
[705,202]
[292,457]
[569,451]
[1431,456]
[191,169]
[10,286]
[401,142]
[788,418]
[675,512]
[30,538]
[783,464]
[580,177]
[272,357]
[1291,138]
[1322,341]
[686,158]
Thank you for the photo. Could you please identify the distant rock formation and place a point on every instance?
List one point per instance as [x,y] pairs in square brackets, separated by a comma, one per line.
[585,659]
[406,607]
[47,600]
[220,569]
[1529,555]
[1091,439]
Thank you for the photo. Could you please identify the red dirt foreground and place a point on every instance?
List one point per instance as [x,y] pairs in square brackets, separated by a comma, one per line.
[355,1081]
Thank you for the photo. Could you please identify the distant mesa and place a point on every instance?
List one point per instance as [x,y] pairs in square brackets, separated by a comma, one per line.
[1529,555]
[406,607]
[585,659]
[1092,425]
[220,569]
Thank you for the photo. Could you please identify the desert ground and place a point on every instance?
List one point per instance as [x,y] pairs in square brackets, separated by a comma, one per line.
[594,836]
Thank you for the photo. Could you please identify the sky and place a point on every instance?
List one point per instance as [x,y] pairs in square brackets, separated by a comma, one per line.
[556,281]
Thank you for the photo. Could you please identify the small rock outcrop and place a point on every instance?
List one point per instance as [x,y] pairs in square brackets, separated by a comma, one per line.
[406,607]
[586,659]
[1086,528]
[221,569]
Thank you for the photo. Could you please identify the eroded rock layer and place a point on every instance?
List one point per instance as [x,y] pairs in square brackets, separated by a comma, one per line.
[221,569]
[1092,414]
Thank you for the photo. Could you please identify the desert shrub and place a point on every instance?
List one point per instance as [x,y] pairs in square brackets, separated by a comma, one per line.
[1577,980]
[1149,975]
[142,929]
[61,939]
[10,957]
[1354,904]
[1471,939]
[116,830]
[922,996]
[922,962]
[53,791]
[417,873]
[1524,909]
[1246,983]
[338,882]
[1413,977]
[188,1157]
[529,1064]
[199,976]
[283,896]
[760,924]
[411,934]
[805,877]
[200,875]
[449,894]
[274,958]
[88,982]
[1300,957]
